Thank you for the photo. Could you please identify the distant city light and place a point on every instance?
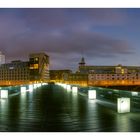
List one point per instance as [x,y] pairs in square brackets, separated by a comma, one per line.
[92,94]
[39,85]
[22,89]
[74,89]
[44,84]
[63,85]
[134,93]
[68,87]
[35,85]
[4,94]
[31,88]
[123,105]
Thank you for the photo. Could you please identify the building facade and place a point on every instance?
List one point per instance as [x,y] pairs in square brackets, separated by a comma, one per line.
[19,72]
[16,72]
[111,75]
[59,75]
[114,75]
[39,67]
[78,79]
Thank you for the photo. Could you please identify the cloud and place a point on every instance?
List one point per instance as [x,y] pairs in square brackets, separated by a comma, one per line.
[65,34]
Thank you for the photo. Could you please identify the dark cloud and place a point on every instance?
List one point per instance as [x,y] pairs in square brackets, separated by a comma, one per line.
[65,34]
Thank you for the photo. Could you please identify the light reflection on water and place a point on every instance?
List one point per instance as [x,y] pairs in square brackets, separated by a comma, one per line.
[3,113]
[45,108]
[123,123]
[3,105]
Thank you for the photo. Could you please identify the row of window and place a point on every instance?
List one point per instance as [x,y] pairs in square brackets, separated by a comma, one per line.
[118,78]
[20,78]
[114,74]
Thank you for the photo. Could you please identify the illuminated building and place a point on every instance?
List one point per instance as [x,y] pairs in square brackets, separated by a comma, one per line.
[111,75]
[78,78]
[59,75]
[39,67]
[19,72]
[14,72]
[2,58]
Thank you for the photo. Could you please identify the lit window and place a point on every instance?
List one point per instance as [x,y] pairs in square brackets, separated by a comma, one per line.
[31,67]
[122,71]
[35,66]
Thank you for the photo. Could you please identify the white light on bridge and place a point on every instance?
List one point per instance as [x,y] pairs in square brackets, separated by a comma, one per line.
[134,93]
[74,89]
[64,85]
[123,105]
[92,94]
[44,84]
[4,94]
[68,87]
[31,88]
[22,89]
[39,85]
[35,85]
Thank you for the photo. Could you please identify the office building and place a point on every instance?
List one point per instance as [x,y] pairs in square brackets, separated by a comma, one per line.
[16,72]
[39,67]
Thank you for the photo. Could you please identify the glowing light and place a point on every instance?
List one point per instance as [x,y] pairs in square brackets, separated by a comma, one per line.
[4,94]
[64,86]
[39,85]
[92,94]
[122,71]
[134,93]
[44,84]
[31,88]
[35,85]
[22,89]
[74,89]
[123,105]
[116,90]
[68,88]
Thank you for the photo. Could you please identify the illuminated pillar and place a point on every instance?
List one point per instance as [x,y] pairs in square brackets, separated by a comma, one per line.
[134,93]
[64,86]
[35,85]
[22,89]
[31,88]
[92,94]
[68,87]
[4,94]
[39,85]
[74,89]
[123,105]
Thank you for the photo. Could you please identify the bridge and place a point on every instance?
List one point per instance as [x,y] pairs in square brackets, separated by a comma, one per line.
[57,108]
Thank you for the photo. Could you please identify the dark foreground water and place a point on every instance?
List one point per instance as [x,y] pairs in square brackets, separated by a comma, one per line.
[52,109]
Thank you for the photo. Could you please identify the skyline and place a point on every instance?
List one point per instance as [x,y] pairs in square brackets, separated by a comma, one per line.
[102,36]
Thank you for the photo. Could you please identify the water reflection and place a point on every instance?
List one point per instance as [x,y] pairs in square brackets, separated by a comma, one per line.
[123,123]
[3,106]
[55,109]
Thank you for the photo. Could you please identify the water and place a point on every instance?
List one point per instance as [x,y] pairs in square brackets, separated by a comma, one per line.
[52,109]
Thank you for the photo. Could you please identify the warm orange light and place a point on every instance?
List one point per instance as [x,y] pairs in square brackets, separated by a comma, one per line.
[35,66]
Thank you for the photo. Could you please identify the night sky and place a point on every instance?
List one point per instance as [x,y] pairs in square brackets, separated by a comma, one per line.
[102,36]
